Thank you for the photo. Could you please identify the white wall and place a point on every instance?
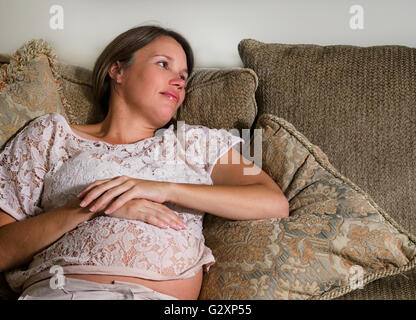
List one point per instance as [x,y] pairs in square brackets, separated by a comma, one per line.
[213,27]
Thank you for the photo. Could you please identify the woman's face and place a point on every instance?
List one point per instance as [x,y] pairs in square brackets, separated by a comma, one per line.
[154,85]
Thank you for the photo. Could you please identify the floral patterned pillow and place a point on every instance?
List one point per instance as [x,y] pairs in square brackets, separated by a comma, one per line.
[336,239]
[29,87]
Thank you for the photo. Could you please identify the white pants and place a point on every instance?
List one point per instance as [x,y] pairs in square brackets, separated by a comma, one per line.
[76,289]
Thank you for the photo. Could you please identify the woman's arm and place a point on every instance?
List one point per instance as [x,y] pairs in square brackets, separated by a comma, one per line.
[254,201]
[21,240]
[235,194]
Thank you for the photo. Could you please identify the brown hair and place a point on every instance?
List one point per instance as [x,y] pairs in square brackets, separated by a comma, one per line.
[122,49]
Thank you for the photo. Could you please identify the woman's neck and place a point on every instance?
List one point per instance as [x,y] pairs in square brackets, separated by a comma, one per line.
[121,128]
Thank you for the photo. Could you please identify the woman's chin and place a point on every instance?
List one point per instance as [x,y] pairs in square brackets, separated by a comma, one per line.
[165,118]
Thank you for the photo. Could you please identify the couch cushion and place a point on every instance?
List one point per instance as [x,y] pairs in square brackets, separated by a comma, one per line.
[29,87]
[335,240]
[397,287]
[216,98]
[220,98]
[77,89]
[356,103]
[4,58]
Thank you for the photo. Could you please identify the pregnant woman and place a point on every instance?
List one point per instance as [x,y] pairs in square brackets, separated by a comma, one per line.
[114,210]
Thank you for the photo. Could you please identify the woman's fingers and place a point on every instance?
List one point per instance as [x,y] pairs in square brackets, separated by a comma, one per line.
[96,189]
[92,185]
[153,220]
[164,222]
[120,201]
[117,194]
[160,215]
[170,216]
[110,195]
[150,212]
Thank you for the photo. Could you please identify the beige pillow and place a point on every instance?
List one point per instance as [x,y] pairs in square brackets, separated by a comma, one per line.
[336,239]
[29,88]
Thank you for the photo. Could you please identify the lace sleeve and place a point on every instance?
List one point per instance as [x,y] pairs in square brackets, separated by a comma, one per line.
[22,168]
[206,146]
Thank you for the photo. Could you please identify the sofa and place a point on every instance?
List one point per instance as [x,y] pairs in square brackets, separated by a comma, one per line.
[335,126]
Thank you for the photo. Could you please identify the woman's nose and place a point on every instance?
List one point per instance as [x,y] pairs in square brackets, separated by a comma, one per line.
[178,81]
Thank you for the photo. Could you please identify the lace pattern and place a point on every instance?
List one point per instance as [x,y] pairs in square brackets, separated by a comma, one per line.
[47,164]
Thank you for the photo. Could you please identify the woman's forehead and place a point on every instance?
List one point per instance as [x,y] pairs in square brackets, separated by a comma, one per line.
[168,48]
[165,46]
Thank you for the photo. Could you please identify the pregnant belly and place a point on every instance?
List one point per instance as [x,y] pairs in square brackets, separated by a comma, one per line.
[184,289]
[131,245]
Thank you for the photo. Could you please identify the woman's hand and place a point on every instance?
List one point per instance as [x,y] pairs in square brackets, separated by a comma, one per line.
[150,212]
[118,191]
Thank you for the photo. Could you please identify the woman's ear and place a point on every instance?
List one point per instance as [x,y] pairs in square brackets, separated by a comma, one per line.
[116,72]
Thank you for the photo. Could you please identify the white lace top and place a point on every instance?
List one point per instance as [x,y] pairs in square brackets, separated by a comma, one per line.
[47,164]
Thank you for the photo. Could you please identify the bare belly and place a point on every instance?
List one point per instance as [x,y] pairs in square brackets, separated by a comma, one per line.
[184,289]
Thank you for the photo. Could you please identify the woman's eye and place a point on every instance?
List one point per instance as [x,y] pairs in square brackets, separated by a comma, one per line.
[164,63]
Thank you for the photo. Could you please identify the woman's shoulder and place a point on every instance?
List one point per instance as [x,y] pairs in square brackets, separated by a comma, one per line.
[201,131]
[38,129]
[192,135]
[51,118]
[189,129]
[46,120]
[35,137]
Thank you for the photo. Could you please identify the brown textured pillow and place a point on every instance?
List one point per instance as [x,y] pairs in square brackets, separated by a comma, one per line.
[217,98]
[4,58]
[356,103]
[335,240]
[77,89]
[220,98]
[29,87]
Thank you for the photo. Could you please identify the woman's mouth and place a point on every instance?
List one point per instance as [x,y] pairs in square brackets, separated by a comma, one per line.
[172,96]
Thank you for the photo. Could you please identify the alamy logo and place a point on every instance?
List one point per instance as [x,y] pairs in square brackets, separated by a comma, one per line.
[356,277]
[58,280]
[56,22]
[357,20]
[196,141]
